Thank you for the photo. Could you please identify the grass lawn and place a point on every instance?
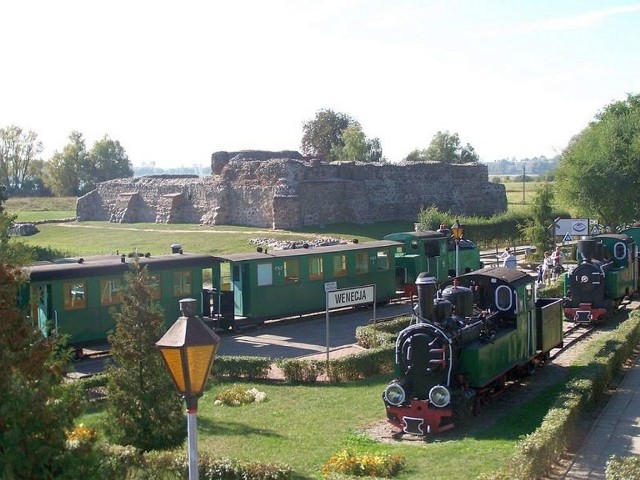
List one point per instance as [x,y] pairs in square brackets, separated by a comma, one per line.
[91,238]
[302,426]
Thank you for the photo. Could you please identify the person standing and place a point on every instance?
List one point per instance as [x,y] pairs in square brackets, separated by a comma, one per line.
[558,257]
[508,259]
[547,268]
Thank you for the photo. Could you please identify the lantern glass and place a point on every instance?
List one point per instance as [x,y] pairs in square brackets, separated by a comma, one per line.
[173,359]
[199,360]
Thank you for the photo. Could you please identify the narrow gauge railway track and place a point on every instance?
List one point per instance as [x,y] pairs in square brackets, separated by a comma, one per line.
[570,336]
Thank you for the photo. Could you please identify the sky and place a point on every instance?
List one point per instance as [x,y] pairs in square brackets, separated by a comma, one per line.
[174,82]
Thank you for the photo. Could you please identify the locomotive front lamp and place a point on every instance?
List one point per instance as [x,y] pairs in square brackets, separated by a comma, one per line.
[439,396]
[188,349]
[394,394]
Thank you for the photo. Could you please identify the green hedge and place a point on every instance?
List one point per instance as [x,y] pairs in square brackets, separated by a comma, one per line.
[119,462]
[251,368]
[538,451]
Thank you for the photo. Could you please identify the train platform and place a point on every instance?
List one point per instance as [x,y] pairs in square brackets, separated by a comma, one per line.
[616,430]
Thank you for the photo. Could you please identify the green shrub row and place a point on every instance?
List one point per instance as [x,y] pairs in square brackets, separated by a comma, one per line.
[498,230]
[251,368]
[539,450]
[118,462]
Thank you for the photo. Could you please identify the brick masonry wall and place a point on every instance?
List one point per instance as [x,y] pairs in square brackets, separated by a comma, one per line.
[293,193]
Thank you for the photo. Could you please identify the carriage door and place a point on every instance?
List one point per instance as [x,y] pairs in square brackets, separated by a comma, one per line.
[237,288]
[42,294]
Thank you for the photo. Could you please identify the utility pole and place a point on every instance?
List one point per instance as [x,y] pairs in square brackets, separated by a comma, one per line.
[524,169]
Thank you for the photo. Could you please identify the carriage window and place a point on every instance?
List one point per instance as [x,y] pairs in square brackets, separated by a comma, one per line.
[265,274]
[316,271]
[111,291]
[291,271]
[620,251]
[340,266]
[503,298]
[181,283]
[74,295]
[362,263]
[383,260]
[155,286]
[225,276]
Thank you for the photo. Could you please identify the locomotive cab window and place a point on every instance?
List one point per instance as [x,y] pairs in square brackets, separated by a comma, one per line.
[265,274]
[74,295]
[181,283]
[362,263]
[620,251]
[383,260]
[431,249]
[316,271]
[340,266]
[504,298]
[111,291]
[291,271]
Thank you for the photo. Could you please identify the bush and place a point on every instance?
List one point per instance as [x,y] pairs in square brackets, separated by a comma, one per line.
[236,395]
[623,468]
[301,371]
[251,368]
[348,462]
[127,462]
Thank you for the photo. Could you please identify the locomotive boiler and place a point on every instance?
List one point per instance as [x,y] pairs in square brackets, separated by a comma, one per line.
[467,341]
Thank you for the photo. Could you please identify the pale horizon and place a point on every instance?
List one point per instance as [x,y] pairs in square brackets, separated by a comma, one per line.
[175,82]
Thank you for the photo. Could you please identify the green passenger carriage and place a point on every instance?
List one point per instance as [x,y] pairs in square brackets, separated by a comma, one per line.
[279,283]
[73,296]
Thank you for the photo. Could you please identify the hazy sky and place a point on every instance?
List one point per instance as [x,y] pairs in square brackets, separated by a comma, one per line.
[177,81]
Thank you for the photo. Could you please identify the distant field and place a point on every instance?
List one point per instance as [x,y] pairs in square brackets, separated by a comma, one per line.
[515,192]
[31,209]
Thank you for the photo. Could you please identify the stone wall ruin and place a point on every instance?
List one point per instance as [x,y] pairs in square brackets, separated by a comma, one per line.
[283,190]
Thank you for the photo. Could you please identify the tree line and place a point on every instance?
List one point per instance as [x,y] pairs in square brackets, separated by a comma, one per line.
[76,170]
[71,172]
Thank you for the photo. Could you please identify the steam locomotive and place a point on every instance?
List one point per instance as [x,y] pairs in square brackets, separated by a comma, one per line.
[483,329]
[607,272]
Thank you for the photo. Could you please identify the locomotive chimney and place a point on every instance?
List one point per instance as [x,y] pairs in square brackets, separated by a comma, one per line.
[587,250]
[426,292]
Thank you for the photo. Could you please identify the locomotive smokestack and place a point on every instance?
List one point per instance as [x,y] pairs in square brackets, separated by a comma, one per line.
[587,250]
[426,292]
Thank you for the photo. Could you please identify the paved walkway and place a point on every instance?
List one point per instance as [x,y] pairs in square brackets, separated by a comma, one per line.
[616,431]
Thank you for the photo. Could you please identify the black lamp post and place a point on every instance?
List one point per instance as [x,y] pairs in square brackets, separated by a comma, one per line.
[188,349]
[457,232]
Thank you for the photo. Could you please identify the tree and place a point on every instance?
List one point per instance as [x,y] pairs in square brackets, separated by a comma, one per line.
[108,160]
[17,150]
[446,148]
[76,171]
[144,408]
[37,408]
[325,133]
[536,230]
[63,172]
[599,171]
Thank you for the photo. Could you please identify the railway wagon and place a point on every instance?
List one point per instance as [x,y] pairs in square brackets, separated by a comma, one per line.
[607,272]
[433,253]
[634,233]
[265,285]
[484,329]
[73,296]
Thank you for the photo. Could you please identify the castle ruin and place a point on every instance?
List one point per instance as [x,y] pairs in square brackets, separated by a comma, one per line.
[283,190]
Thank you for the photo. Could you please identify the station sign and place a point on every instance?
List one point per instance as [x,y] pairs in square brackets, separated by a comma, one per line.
[577,227]
[347,297]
